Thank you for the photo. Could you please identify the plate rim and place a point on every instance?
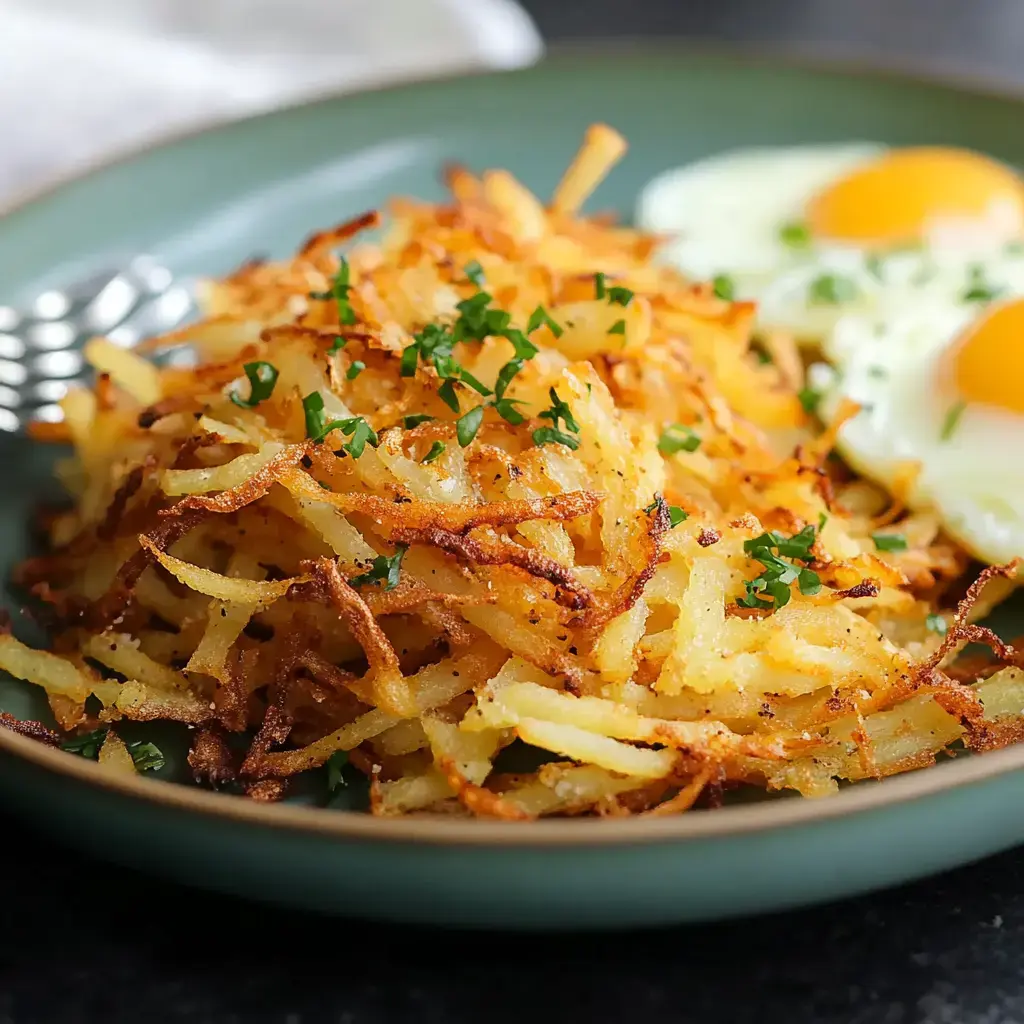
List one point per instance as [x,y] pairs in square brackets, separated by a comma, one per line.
[765,817]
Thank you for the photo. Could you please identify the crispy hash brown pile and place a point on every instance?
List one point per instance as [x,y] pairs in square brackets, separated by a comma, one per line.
[499,477]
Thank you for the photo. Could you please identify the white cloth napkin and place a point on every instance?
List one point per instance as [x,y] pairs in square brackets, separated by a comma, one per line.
[83,79]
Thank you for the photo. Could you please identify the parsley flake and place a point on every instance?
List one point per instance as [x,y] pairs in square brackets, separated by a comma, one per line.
[772,549]
[874,265]
[339,290]
[436,451]
[889,541]
[474,272]
[409,422]
[148,757]
[952,420]
[832,290]
[676,515]
[262,378]
[337,345]
[355,369]
[318,426]
[145,756]
[619,296]
[506,409]
[677,437]
[978,289]
[559,411]
[619,327]
[467,425]
[87,744]
[383,569]
[335,770]
[724,287]
[809,399]
[600,291]
[795,234]
[540,316]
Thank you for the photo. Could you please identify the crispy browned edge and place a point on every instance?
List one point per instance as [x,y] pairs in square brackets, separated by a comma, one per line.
[725,821]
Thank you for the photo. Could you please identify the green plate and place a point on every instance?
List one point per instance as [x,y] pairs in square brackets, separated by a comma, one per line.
[207,202]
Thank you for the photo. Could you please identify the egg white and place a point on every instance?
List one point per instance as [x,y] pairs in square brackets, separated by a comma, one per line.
[726,215]
[972,474]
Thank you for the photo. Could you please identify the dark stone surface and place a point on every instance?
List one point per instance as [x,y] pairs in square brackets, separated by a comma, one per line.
[83,942]
[112,946]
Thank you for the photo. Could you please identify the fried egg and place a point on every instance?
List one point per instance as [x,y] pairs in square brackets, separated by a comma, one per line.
[813,233]
[941,391]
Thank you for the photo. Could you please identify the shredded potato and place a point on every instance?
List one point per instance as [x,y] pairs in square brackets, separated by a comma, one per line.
[499,483]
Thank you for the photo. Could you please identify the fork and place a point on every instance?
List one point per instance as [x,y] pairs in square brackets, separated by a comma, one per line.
[41,344]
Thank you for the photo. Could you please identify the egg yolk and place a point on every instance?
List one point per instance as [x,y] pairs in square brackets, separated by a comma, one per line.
[987,361]
[896,198]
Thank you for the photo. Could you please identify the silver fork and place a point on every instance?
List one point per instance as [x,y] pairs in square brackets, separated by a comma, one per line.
[41,345]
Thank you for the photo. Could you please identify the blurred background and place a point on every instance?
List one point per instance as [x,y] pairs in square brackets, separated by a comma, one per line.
[83,79]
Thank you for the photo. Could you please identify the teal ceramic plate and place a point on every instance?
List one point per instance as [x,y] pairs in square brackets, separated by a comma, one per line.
[207,202]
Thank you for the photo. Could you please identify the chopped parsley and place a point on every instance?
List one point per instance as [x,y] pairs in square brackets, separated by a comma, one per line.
[409,422]
[832,290]
[436,451]
[619,327]
[360,431]
[889,541]
[772,550]
[477,320]
[262,378]
[676,515]
[339,292]
[677,437]
[337,345]
[433,345]
[554,434]
[724,287]
[355,369]
[936,624]
[615,294]
[86,745]
[809,399]
[467,425]
[952,420]
[978,289]
[540,316]
[335,765]
[383,569]
[795,234]
[446,392]
[318,426]
[524,350]
[146,756]
[474,272]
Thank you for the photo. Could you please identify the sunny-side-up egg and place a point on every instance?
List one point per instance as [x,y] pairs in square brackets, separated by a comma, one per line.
[812,233]
[941,390]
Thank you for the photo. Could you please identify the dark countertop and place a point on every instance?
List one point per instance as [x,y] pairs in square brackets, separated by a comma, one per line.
[80,941]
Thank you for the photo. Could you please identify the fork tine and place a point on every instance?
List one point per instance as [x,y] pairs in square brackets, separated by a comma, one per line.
[40,345]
